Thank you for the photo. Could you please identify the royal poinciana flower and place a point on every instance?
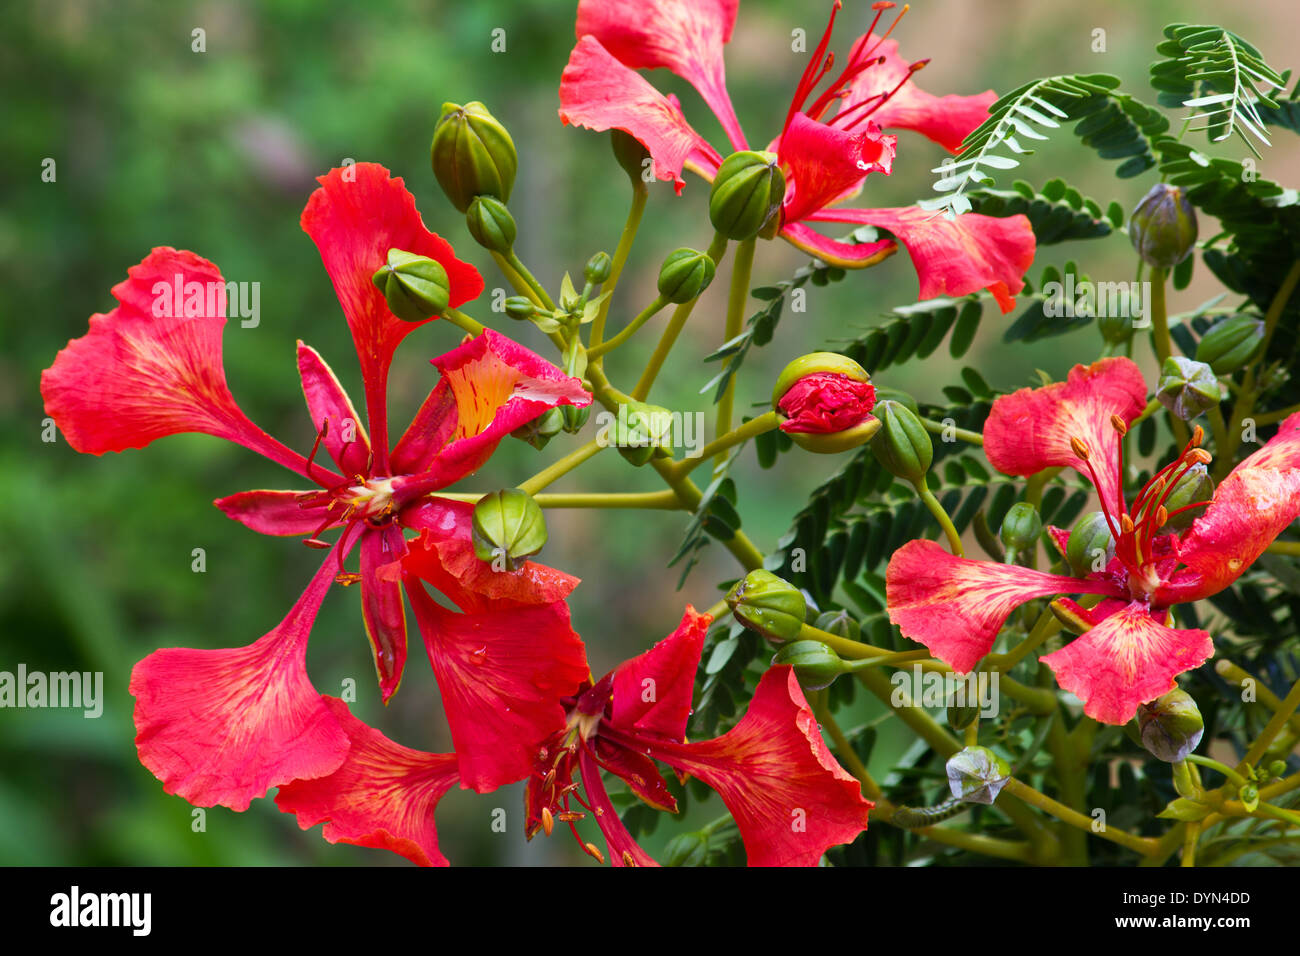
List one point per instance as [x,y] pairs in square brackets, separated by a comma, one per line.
[1129,654]
[826,402]
[222,726]
[790,799]
[829,143]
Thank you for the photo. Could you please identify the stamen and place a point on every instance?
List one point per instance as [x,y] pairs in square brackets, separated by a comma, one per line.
[347,578]
[627,859]
[317,544]
[320,436]
[548,821]
[1080,449]
[1126,524]
[811,77]
[595,853]
[1162,515]
[1198,436]
[1117,423]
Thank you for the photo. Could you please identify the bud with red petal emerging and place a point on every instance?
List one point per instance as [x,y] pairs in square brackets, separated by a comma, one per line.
[824,400]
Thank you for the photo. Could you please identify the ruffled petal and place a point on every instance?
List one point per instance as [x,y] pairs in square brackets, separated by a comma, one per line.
[846,255]
[332,413]
[790,799]
[600,93]
[272,512]
[498,385]
[382,796]
[637,771]
[224,726]
[152,366]
[382,608]
[355,217]
[1030,429]
[685,36]
[826,162]
[502,672]
[1252,506]
[956,606]
[653,691]
[946,120]
[428,432]
[1130,658]
[955,257]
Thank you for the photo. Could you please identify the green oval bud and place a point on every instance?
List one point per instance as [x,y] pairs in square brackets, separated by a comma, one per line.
[1091,546]
[598,268]
[1231,344]
[632,156]
[1194,486]
[1186,387]
[1277,769]
[747,193]
[491,224]
[1171,726]
[684,275]
[1021,527]
[840,624]
[574,417]
[1115,329]
[960,716]
[977,775]
[643,432]
[769,605]
[415,287]
[472,155]
[886,394]
[1249,797]
[1162,227]
[520,307]
[687,849]
[508,527]
[815,665]
[903,446]
[541,429]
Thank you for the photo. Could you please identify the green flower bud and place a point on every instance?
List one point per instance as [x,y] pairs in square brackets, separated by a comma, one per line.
[977,775]
[684,275]
[1091,546]
[631,155]
[508,526]
[886,394]
[541,429]
[1021,527]
[1194,486]
[827,442]
[1115,329]
[769,605]
[644,432]
[598,268]
[961,716]
[1186,387]
[1171,726]
[1277,769]
[840,624]
[815,665]
[574,417]
[1249,797]
[491,224]
[687,849]
[813,363]
[1231,344]
[747,194]
[903,446]
[416,287]
[472,155]
[520,307]
[1163,227]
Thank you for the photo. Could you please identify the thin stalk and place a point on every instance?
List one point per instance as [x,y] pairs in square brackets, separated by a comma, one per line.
[750,429]
[560,468]
[741,270]
[625,240]
[596,350]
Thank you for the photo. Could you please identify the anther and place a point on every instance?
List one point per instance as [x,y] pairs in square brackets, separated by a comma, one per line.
[1080,449]
[1162,515]
[627,859]
[316,543]
[347,578]
[1201,456]
[548,821]
[1117,423]
[1198,436]
[595,853]
[1126,524]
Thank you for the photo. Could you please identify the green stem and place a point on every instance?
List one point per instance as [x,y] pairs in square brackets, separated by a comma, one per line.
[1272,418]
[741,270]
[560,468]
[539,291]
[1142,845]
[689,494]
[639,194]
[1190,838]
[1284,547]
[1279,813]
[939,428]
[1163,342]
[941,516]
[674,328]
[750,429]
[1272,728]
[1227,771]
[461,320]
[598,350]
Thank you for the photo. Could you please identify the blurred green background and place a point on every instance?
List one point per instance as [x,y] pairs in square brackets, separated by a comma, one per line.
[215,151]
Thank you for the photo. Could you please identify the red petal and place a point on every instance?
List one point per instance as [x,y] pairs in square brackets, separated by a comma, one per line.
[272,512]
[502,673]
[382,609]
[955,606]
[1030,430]
[685,36]
[382,796]
[653,691]
[955,257]
[827,163]
[826,402]
[331,410]
[1126,660]
[947,120]
[428,433]
[224,726]
[846,255]
[355,217]
[617,839]
[600,93]
[637,771]
[790,799]
[498,385]
[152,366]
[1253,505]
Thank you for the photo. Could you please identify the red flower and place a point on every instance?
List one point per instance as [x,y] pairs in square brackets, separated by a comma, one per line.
[828,144]
[224,726]
[1130,655]
[790,799]
[826,402]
